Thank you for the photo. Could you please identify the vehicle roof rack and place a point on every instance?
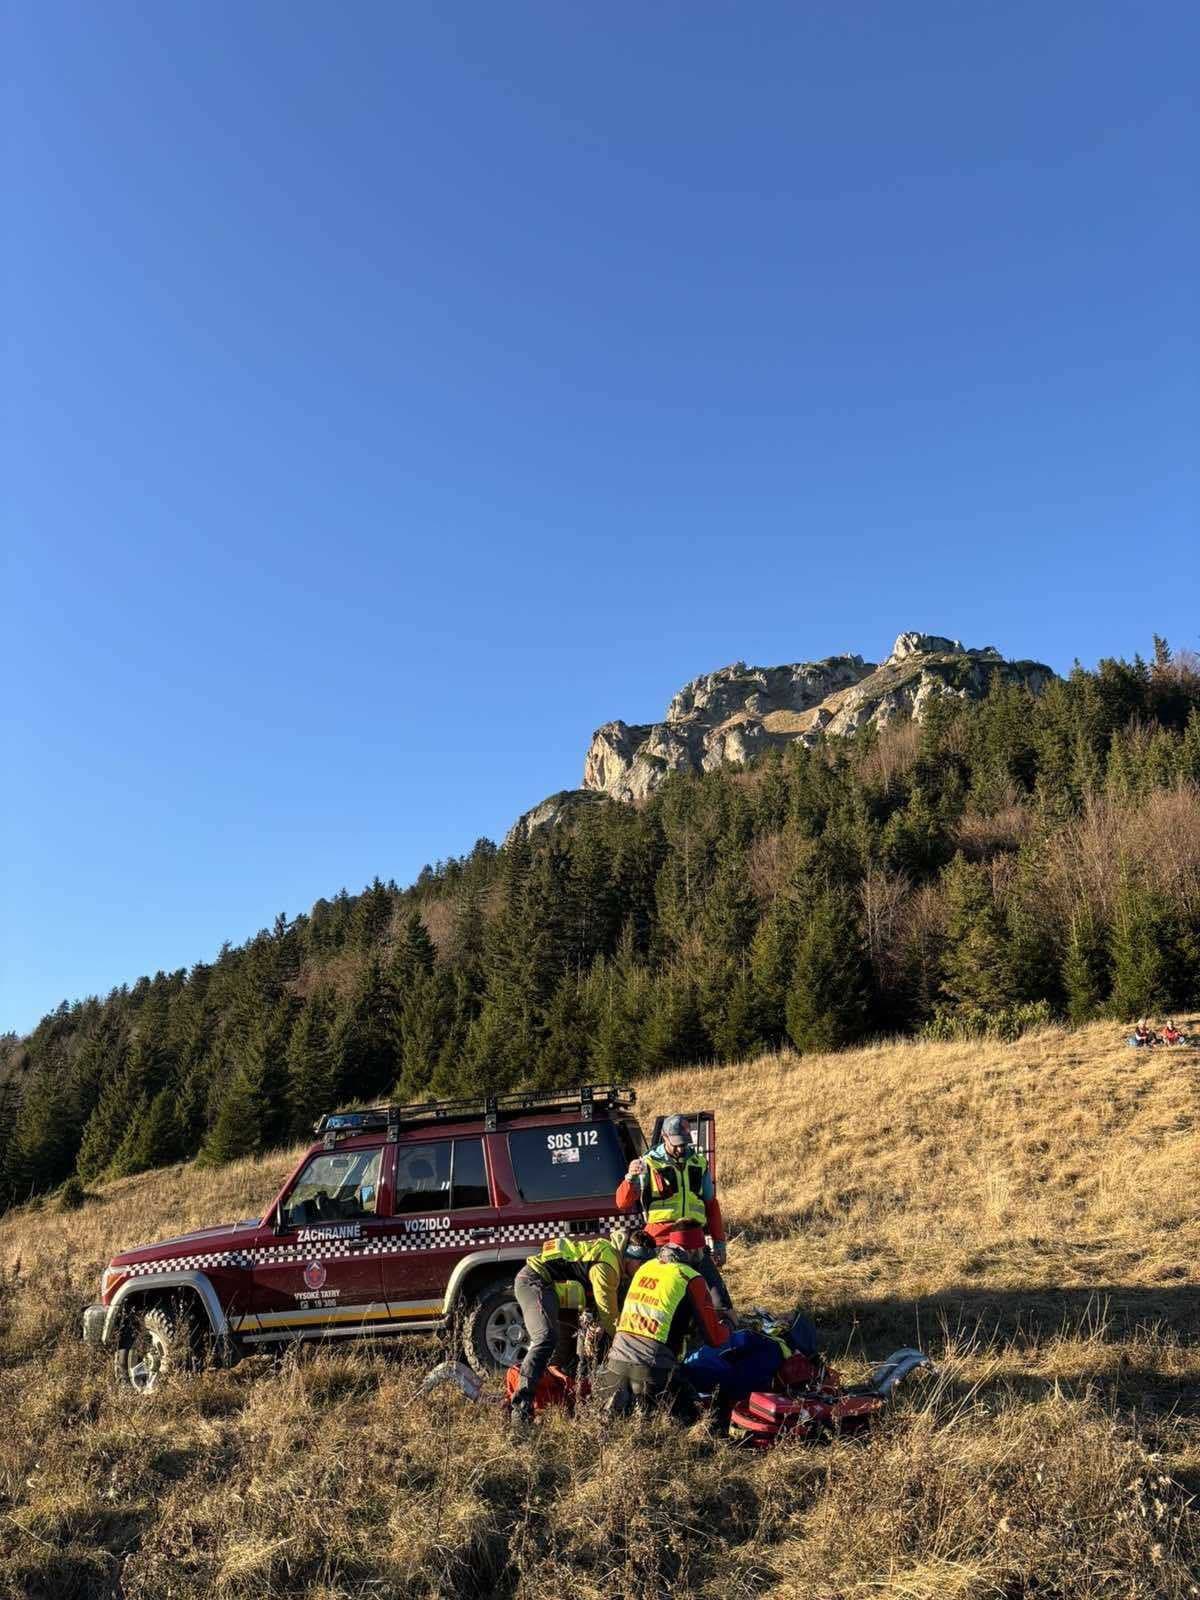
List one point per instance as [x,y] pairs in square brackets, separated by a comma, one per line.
[585,1098]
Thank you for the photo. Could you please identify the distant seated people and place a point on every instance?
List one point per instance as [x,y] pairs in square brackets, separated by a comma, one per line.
[1171,1034]
[1143,1036]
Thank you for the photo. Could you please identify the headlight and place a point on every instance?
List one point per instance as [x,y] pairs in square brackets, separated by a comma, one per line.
[110,1279]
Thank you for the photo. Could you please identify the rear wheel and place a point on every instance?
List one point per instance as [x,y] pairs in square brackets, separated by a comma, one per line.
[154,1344]
[494,1336]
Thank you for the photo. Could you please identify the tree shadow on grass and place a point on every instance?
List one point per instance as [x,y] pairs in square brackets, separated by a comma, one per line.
[1124,1327]
[1110,1312]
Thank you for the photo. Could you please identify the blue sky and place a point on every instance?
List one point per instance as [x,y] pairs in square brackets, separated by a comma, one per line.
[392,393]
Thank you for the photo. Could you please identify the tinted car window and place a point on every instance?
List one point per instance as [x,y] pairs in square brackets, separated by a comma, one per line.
[332,1187]
[470,1187]
[568,1162]
[422,1177]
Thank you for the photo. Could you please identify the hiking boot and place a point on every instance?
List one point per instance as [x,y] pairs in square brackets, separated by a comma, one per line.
[520,1417]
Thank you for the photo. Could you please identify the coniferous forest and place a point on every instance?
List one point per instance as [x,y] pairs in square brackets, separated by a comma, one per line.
[1003,863]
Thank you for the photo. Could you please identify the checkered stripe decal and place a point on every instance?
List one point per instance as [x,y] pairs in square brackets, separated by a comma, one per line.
[223,1258]
[391,1244]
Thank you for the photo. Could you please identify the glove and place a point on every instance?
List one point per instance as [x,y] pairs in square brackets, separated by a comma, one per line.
[636,1167]
[718,1252]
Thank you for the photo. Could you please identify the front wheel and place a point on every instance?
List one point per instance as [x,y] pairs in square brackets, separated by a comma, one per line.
[494,1336]
[153,1345]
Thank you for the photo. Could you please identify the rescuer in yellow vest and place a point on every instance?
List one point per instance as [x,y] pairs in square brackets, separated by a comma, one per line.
[569,1275]
[673,1187]
[667,1300]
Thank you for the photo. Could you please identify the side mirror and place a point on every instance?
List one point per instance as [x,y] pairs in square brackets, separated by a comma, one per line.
[277,1218]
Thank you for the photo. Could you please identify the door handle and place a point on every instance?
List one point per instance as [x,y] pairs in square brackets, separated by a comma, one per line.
[478,1235]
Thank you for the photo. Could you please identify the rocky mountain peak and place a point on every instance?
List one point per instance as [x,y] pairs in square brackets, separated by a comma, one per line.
[727,716]
[926,644]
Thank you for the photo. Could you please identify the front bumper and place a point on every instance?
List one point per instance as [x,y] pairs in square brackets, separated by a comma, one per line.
[94,1321]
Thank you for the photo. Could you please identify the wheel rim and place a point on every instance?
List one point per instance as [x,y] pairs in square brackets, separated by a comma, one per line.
[504,1334]
[145,1363]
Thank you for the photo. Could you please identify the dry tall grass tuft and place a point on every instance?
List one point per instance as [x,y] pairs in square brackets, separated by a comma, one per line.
[1026,1212]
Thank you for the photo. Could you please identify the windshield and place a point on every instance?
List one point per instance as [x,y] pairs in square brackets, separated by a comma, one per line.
[333,1187]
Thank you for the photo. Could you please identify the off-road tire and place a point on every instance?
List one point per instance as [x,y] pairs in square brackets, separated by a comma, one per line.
[488,1328]
[154,1344]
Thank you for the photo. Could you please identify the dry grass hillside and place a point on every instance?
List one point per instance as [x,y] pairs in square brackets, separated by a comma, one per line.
[1027,1212]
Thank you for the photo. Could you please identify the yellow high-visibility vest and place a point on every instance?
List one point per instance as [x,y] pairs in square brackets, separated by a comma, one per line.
[565,1265]
[675,1191]
[654,1297]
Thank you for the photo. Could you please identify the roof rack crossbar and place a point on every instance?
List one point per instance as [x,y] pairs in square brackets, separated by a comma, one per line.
[584,1098]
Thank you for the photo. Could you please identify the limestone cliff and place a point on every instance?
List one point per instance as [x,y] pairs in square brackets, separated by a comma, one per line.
[728,716]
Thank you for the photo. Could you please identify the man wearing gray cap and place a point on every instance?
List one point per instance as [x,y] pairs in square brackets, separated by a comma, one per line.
[672,1185]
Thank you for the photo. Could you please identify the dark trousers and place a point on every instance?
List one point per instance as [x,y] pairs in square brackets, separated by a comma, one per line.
[539,1309]
[625,1386]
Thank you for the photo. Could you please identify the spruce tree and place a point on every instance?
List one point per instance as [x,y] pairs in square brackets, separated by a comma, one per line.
[415,954]
[1032,956]
[1122,777]
[1189,749]
[731,910]
[253,1110]
[154,1137]
[44,1136]
[593,906]
[673,1033]
[372,916]
[366,1040]
[162,1140]
[1082,969]
[237,1130]
[266,1067]
[975,962]
[525,961]
[1135,953]
[424,1022]
[468,943]
[734,1029]
[108,1124]
[566,1048]
[772,961]
[10,1105]
[915,838]
[1087,768]
[618,1053]
[829,998]
[312,1078]
[1161,765]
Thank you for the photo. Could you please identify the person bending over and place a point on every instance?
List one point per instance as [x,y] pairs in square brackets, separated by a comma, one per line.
[569,1275]
[666,1303]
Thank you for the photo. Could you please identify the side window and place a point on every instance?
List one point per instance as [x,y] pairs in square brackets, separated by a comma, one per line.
[343,1184]
[422,1178]
[573,1161]
[470,1187]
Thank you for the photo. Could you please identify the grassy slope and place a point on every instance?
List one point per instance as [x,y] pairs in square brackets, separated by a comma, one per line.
[1027,1212]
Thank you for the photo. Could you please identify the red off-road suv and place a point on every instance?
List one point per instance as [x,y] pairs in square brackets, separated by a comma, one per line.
[399,1219]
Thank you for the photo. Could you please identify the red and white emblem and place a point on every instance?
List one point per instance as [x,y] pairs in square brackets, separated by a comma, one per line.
[314,1275]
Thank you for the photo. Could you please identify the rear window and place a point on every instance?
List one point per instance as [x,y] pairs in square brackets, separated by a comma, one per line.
[441,1176]
[573,1161]
[422,1178]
